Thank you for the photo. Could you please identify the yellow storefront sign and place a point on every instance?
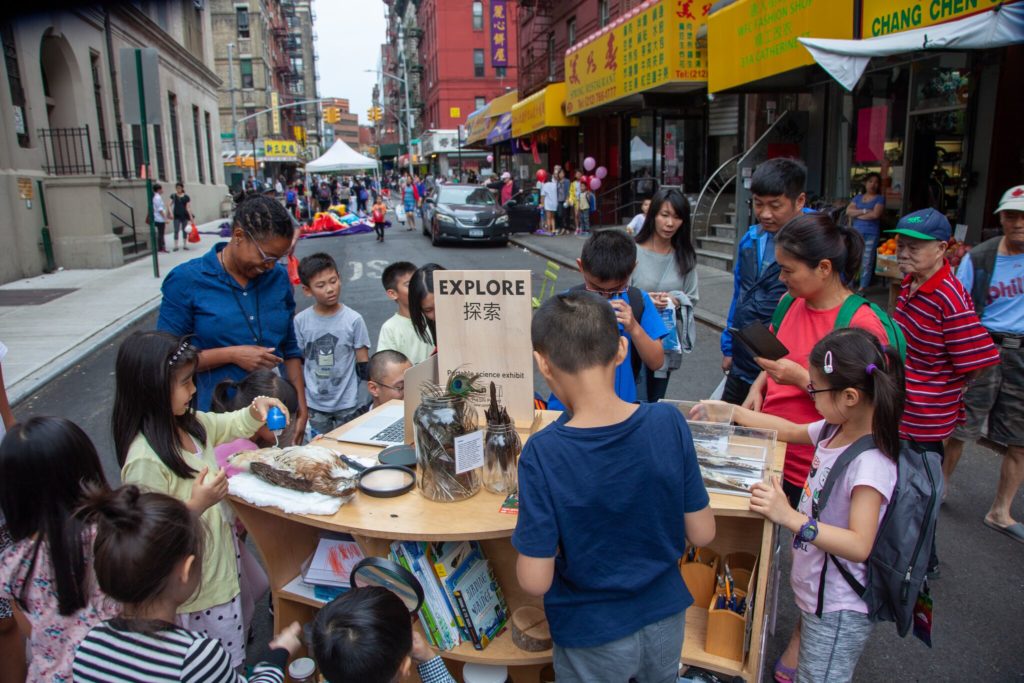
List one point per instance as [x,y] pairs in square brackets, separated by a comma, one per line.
[654,48]
[542,109]
[754,39]
[280,148]
[480,122]
[881,17]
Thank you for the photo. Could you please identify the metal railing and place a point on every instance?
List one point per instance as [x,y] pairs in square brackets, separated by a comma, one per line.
[122,160]
[130,223]
[627,197]
[720,182]
[67,151]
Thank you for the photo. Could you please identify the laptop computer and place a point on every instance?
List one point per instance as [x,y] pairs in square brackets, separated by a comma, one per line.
[386,428]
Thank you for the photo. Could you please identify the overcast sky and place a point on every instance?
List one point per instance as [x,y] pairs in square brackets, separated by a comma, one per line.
[349,35]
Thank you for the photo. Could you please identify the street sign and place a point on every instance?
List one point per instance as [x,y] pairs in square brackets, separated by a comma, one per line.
[414,141]
[150,83]
[227,136]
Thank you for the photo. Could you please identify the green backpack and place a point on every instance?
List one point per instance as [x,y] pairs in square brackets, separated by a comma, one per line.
[846,313]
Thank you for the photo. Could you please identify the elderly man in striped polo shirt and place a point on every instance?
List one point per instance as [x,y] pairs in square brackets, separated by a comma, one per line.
[946,344]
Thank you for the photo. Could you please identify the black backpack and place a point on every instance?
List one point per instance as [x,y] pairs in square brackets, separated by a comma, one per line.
[636,302]
[898,563]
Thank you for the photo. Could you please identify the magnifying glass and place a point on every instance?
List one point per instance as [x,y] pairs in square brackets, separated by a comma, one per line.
[382,481]
[384,573]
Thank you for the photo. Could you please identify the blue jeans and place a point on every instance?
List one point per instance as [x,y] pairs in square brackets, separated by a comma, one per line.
[867,263]
[651,655]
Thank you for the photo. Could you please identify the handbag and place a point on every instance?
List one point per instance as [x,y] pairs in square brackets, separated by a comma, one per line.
[193,232]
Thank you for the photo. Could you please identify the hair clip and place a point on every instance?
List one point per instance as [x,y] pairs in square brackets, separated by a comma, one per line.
[871,368]
[185,345]
[828,363]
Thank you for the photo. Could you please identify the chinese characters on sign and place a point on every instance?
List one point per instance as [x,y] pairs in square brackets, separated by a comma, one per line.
[473,310]
[656,47]
[499,33]
[280,148]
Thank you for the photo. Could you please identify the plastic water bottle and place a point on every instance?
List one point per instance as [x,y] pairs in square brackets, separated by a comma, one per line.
[276,423]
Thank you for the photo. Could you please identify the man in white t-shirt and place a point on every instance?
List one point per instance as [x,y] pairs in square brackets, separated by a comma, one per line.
[160,217]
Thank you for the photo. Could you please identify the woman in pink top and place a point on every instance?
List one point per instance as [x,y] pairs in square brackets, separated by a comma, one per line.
[819,261]
[48,573]
[857,385]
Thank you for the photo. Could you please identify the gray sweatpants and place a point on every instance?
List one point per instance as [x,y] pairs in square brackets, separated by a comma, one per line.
[651,655]
[830,646]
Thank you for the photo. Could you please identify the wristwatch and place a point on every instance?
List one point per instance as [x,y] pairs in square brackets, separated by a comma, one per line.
[808,532]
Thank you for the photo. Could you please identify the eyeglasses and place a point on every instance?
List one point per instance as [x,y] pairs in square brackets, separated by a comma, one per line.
[267,260]
[811,391]
[607,293]
[400,387]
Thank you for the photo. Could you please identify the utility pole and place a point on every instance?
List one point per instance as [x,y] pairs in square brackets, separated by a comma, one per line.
[234,111]
[405,88]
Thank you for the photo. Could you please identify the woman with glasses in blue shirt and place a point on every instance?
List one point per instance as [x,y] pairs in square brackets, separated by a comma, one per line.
[238,303]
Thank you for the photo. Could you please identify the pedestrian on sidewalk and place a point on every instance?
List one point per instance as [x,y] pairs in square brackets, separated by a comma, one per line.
[563,201]
[238,304]
[666,268]
[160,217]
[378,215]
[586,206]
[991,272]
[549,199]
[181,209]
[865,210]
[777,187]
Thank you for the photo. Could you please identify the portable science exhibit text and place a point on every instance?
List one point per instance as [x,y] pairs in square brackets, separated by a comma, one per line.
[483,328]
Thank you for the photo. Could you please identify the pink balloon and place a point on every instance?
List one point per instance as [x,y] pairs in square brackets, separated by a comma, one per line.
[595,184]
[601,172]
[589,163]
[490,158]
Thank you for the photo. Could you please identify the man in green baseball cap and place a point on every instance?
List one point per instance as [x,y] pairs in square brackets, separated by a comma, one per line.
[921,241]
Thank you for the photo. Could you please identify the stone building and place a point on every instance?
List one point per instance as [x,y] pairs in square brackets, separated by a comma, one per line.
[67,143]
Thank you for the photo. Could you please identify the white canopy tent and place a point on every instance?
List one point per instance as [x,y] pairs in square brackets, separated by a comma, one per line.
[845,60]
[341,157]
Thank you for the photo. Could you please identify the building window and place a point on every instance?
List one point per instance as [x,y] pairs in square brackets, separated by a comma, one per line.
[500,71]
[479,102]
[158,143]
[551,56]
[14,81]
[478,16]
[246,66]
[97,91]
[199,143]
[172,121]
[478,63]
[602,13]
[242,21]
[209,147]
[570,29]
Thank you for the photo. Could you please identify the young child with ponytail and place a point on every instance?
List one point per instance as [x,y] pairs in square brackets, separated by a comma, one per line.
[47,574]
[164,445]
[149,556]
[857,387]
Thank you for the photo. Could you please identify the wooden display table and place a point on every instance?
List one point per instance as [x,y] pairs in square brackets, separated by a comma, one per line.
[285,541]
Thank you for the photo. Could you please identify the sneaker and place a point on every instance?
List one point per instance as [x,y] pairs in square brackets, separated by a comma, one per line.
[175,249]
[184,248]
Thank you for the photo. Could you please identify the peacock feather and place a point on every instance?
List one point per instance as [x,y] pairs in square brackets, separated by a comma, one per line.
[463,384]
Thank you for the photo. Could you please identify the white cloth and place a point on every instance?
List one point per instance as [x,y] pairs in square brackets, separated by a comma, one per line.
[252,489]
[549,194]
[846,60]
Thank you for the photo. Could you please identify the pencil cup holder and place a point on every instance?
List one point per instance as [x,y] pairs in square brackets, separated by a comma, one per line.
[699,575]
[742,567]
[725,630]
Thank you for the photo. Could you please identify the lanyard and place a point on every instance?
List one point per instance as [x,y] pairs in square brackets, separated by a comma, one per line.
[257,332]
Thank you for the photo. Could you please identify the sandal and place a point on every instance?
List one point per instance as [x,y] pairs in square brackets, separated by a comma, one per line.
[1014,531]
[783,673]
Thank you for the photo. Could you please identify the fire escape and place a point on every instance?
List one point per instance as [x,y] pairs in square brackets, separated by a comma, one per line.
[535,53]
[288,66]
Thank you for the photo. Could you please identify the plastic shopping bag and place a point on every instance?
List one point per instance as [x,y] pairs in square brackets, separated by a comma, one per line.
[193,232]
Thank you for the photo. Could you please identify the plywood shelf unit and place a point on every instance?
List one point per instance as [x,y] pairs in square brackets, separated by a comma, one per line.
[286,540]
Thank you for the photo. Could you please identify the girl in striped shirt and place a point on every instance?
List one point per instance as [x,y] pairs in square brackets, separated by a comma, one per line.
[148,556]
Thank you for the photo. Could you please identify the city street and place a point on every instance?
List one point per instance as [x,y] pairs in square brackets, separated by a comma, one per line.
[977,633]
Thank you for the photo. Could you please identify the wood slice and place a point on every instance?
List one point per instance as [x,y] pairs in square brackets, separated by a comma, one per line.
[530,631]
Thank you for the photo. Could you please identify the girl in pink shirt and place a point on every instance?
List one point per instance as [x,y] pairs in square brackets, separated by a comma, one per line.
[856,384]
[48,573]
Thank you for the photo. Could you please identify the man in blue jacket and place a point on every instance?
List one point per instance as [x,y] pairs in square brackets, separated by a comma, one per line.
[777,187]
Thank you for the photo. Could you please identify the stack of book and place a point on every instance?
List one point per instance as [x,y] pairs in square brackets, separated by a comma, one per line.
[463,602]
[330,566]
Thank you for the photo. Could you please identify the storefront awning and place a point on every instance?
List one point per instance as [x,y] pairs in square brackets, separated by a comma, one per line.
[653,47]
[750,40]
[482,121]
[502,130]
[542,109]
[845,60]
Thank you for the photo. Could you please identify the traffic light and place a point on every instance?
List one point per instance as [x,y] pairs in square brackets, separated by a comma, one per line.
[369,114]
[331,115]
[378,114]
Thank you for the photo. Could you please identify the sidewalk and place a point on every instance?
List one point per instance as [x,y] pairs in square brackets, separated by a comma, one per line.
[46,339]
[714,286]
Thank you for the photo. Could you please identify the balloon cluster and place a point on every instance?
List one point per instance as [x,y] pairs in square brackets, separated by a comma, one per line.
[595,175]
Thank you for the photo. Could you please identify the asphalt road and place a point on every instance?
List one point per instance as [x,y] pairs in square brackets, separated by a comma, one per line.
[979,629]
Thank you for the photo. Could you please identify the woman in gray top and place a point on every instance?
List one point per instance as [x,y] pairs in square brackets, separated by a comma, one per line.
[666,262]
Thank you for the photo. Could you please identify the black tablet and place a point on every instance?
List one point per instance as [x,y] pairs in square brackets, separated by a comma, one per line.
[760,340]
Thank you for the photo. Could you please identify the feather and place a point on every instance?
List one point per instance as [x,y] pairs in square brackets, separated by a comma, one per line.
[301,468]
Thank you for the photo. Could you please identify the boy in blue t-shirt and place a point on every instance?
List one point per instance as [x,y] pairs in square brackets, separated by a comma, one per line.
[608,496]
[607,262]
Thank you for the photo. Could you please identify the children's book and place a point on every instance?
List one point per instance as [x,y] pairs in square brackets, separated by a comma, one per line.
[478,598]
[333,560]
[435,602]
[430,630]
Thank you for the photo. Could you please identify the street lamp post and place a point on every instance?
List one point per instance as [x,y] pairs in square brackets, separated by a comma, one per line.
[234,111]
[408,111]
